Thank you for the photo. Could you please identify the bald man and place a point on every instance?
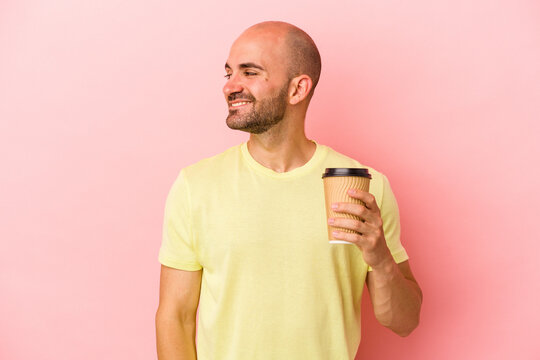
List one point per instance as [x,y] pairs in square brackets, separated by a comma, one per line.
[245,232]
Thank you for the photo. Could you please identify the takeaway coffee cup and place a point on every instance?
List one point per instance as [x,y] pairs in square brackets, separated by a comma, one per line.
[337,181]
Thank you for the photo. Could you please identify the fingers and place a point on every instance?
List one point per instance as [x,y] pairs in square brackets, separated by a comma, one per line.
[365,197]
[350,208]
[364,214]
[352,238]
[366,241]
[358,226]
[350,224]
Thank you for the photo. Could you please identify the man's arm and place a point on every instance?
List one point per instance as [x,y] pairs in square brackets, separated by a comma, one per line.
[177,312]
[394,292]
[396,296]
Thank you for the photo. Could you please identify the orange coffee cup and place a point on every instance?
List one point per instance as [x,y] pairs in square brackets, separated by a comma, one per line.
[337,181]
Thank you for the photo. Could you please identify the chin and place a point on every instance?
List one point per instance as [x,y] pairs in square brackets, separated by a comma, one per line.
[246,128]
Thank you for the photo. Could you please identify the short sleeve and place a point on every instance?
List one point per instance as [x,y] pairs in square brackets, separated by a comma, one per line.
[391,226]
[177,250]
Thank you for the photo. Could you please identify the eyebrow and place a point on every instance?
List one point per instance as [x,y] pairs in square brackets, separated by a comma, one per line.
[247,65]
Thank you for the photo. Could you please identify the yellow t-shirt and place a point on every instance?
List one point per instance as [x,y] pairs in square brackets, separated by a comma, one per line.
[273,287]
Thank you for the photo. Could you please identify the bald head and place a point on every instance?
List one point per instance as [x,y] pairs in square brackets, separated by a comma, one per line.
[299,49]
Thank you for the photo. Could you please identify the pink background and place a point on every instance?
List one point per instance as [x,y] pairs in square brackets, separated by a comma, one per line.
[102,102]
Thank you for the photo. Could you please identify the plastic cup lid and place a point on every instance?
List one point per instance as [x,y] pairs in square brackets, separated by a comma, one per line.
[361,172]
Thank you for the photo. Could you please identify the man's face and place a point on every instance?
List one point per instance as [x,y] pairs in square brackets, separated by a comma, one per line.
[256,89]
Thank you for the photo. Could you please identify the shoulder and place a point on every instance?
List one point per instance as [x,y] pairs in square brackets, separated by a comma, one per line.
[198,178]
[213,167]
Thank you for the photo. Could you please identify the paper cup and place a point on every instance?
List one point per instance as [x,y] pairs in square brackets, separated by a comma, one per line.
[337,181]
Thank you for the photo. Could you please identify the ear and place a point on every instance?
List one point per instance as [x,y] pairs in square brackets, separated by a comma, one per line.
[299,89]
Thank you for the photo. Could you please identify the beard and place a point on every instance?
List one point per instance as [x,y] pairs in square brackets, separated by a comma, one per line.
[263,115]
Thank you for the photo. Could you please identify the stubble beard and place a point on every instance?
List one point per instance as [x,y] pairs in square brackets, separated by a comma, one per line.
[264,114]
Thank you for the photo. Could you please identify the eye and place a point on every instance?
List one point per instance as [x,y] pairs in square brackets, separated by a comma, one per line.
[249,73]
[228,76]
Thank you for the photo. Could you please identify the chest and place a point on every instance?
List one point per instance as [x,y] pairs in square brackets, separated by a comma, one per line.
[254,222]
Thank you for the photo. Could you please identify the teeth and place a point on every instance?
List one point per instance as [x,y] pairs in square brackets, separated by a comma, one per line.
[239,103]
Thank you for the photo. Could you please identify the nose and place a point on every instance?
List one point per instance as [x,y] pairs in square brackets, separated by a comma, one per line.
[233,85]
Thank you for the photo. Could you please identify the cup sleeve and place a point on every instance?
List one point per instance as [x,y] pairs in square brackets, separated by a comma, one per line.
[177,248]
[391,225]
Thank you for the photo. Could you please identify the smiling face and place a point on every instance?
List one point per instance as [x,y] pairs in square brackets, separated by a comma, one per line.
[257,83]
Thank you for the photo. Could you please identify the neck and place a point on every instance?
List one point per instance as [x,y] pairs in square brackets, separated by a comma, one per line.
[282,148]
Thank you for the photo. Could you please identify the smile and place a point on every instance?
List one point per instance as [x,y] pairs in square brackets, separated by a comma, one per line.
[239,104]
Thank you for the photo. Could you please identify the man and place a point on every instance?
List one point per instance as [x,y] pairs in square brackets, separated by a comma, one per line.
[245,237]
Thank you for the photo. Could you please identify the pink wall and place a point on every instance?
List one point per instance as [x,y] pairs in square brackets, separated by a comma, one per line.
[102,102]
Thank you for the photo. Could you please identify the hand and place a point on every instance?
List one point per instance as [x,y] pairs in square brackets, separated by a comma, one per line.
[369,234]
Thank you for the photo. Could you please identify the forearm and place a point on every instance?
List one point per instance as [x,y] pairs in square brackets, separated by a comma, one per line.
[396,300]
[175,339]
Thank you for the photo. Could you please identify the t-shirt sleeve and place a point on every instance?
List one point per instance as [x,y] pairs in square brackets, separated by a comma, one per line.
[177,250]
[391,226]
